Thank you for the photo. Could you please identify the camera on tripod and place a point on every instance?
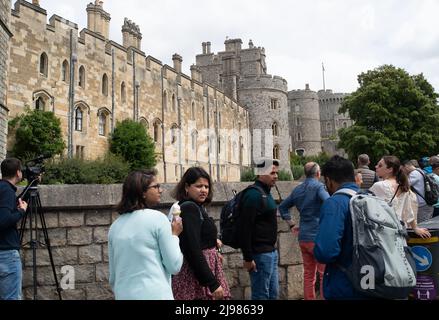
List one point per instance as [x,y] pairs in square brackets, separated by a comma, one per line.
[34,168]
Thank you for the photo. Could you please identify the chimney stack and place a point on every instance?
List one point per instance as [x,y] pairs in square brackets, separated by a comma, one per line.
[36,2]
[307,86]
[177,59]
[208,47]
[131,34]
[195,73]
[97,19]
[204,44]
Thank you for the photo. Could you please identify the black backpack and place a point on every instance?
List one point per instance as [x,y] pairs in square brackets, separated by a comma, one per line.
[230,217]
[431,189]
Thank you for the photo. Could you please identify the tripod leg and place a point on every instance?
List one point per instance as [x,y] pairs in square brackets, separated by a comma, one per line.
[47,242]
[33,243]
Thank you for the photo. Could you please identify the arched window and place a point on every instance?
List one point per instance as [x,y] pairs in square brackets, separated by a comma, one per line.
[165,100]
[44,63]
[144,123]
[174,103]
[174,131]
[105,85]
[328,126]
[123,93]
[345,124]
[102,124]
[299,136]
[78,119]
[65,71]
[193,111]
[40,104]
[157,130]
[275,129]
[81,81]
[298,121]
[276,152]
[194,138]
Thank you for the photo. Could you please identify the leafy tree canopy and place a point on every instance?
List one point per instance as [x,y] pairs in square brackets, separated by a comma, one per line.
[394,113]
[37,132]
[131,141]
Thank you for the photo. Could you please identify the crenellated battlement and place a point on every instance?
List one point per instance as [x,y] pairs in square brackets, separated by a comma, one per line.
[302,94]
[265,81]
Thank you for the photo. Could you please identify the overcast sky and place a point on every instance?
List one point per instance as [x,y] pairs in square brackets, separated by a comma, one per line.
[348,36]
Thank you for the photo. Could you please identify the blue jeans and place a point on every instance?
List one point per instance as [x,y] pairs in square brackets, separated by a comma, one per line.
[265,280]
[10,275]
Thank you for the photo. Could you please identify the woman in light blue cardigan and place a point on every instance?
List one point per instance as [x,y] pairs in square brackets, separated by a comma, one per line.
[143,247]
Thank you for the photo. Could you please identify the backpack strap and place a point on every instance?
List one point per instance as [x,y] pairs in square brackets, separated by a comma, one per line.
[346,191]
[198,207]
[263,194]
[414,189]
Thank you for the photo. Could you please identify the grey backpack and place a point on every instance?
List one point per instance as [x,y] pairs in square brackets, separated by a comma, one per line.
[382,264]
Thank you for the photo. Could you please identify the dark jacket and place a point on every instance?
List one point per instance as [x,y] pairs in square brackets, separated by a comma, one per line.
[9,216]
[259,224]
[199,233]
[334,245]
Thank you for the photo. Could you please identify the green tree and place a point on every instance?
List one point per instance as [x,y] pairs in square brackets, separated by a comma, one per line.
[37,132]
[131,141]
[394,113]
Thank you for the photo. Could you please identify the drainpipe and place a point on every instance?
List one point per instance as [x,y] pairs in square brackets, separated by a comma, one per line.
[218,173]
[180,158]
[134,85]
[112,91]
[208,132]
[73,59]
[163,127]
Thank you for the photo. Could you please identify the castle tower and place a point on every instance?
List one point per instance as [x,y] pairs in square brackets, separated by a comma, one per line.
[98,20]
[304,121]
[331,121]
[242,75]
[5,35]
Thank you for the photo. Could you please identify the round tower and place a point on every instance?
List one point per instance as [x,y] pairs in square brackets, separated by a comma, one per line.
[304,121]
[266,98]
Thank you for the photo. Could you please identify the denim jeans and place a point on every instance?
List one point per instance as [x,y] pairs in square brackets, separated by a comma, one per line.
[10,275]
[265,280]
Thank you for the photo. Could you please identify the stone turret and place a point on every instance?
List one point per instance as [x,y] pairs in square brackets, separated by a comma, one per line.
[304,121]
[131,34]
[97,19]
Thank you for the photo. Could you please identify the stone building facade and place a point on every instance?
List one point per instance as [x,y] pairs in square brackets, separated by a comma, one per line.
[242,74]
[91,82]
[5,36]
[331,121]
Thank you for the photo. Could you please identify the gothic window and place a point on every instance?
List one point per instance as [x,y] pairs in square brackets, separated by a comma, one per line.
[298,121]
[276,152]
[273,104]
[102,124]
[65,71]
[78,119]
[123,92]
[144,123]
[157,130]
[105,85]
[174,129]
[174,103]
[194,137]
[80,152]
[275,129]
[345,124]
[193,111]
[165,100]
[40,104]
[81,82]
[44,64]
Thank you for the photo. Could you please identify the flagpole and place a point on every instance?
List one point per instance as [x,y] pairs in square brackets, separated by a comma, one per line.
[323,72]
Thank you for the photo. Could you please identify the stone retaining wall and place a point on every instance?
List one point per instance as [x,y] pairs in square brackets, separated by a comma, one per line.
[78,218]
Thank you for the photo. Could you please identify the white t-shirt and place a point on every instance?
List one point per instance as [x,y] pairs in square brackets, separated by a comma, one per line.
[405,204]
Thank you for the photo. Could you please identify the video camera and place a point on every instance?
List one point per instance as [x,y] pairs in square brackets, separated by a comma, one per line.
[34,168]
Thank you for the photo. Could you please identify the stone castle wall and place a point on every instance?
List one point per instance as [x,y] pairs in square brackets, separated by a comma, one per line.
[145,90]
[5,35]
[78,229]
